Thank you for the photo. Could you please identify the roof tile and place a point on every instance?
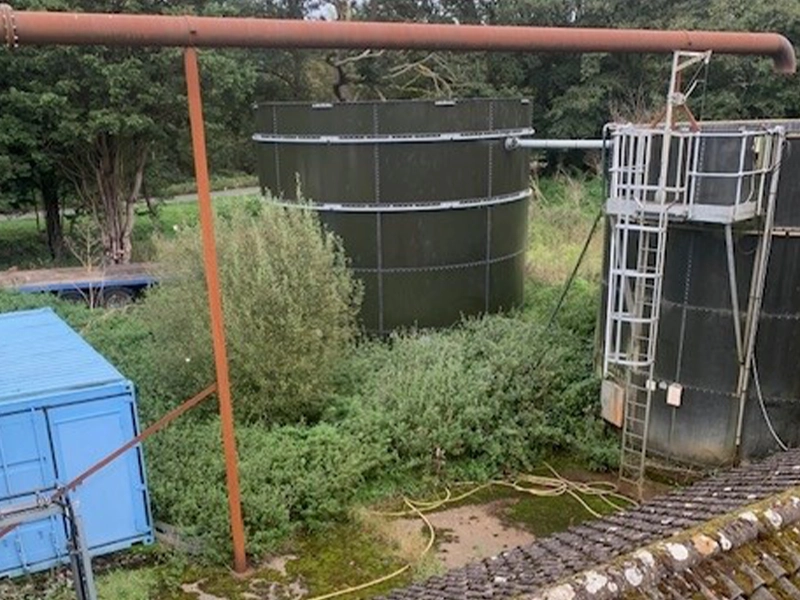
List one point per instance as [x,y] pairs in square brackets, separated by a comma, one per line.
[753,555]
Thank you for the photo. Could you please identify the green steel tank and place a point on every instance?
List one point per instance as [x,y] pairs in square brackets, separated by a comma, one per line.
[431,207]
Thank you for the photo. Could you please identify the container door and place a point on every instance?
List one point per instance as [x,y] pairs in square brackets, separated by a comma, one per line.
[34,546]
[26,469]
[112,503]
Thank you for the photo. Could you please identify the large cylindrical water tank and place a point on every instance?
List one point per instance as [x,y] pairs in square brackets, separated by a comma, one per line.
[431,207]
[696,345]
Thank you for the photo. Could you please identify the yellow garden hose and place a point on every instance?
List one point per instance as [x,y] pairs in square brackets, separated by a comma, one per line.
[535,485]
[357,588]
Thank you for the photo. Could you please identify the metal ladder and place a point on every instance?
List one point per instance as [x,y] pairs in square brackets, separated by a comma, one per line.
[636,273]
[636,264]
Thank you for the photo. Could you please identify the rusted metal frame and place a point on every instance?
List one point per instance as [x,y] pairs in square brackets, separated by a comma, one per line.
[215,306]
[33,27]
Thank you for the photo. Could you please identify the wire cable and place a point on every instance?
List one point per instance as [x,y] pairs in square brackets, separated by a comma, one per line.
[781,444]
[568,285]
[357,588]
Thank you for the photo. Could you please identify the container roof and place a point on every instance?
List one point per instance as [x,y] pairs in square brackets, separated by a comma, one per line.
[40,354]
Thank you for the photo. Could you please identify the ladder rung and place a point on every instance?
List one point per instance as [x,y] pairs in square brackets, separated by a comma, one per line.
[633,227]
[634,320]
[629,452]
[637,459]
[632,480]
[635,273]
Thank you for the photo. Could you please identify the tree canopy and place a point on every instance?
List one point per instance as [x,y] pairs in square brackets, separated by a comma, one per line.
[90,126]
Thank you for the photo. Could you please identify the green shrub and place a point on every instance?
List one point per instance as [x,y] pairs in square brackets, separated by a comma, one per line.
[494,394]
[290,477]
[290,305]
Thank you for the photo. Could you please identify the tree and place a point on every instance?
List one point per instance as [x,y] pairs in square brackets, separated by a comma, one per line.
[94,121]
[128,103]
[31,109]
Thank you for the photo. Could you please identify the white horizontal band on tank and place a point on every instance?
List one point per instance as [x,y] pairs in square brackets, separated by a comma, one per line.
[450,267]
[390,207]
[514,143]
[399,138]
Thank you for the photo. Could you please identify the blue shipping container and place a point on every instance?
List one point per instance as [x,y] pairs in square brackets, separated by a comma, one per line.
[63,407]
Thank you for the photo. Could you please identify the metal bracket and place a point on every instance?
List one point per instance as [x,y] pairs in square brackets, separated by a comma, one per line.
[80,560]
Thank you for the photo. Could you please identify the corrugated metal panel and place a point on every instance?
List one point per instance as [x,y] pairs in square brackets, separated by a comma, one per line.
[40,354]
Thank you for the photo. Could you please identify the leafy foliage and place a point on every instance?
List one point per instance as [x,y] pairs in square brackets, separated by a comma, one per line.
[290,476]
[70,107]
[493,396]
[289,303]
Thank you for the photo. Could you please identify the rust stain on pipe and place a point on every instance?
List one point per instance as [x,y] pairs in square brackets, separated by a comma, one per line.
[43,28]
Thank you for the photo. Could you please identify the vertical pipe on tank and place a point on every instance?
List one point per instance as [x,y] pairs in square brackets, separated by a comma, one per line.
[742,155]
[773,156]
[661,192]
[697,147]
[732,280]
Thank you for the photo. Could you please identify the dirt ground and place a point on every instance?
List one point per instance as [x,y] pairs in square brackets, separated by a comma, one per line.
[467,533]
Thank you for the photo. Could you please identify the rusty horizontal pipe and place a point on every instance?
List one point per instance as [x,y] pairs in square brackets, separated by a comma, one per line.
[43,28]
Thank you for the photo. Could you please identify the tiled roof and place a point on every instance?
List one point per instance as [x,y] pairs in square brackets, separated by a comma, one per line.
[531,570]
[751,555]
[766,569]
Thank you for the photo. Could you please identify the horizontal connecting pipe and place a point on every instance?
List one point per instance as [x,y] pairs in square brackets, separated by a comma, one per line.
[47,28]
[513,143]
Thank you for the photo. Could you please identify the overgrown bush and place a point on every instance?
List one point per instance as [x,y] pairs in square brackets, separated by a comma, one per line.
[473,402]
[291,477]
[495,394]
[289,301]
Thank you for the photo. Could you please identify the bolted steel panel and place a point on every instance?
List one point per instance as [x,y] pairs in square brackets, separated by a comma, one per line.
[431,207]
[696,343]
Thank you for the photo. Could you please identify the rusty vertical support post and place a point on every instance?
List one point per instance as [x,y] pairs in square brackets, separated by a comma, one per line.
[215,305]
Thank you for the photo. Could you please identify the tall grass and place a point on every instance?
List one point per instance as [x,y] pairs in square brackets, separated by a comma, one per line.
[563,209]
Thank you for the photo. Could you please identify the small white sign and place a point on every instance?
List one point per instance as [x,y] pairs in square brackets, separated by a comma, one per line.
[674,394]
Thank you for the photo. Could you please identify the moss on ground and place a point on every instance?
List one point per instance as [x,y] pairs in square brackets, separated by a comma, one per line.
[539,515]
[544,516]
[345,556]
[342,556]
